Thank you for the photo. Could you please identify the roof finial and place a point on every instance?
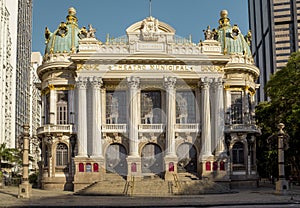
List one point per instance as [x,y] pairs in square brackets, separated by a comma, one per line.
[150,8]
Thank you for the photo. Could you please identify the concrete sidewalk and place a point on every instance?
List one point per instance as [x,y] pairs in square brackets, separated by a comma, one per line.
[262,195]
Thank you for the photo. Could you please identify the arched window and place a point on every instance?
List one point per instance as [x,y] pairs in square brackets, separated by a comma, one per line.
[238,153]
[62,107]
[61,155]
[236,107]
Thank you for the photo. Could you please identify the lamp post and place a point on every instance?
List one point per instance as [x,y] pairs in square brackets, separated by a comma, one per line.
[25,186]
[281,184]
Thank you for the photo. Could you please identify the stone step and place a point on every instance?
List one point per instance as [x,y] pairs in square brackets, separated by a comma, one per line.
[188,184]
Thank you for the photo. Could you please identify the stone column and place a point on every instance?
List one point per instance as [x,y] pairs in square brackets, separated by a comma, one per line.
[206,120]
[170,157]
[82,117]
[133,84]
[134,158]
[246,106]
[219,118]
[71,106]
[53,100]
[96,83]
[43,99]
[25,187]
[227,105]
[169,84]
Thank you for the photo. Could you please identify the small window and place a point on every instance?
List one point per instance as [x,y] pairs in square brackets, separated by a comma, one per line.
[238,153]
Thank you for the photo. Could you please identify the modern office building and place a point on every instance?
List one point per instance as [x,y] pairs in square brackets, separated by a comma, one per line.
[8,45]
[147,106]
[23,66]
[275,35]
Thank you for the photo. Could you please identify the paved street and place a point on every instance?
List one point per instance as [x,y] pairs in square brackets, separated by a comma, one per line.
[261,197]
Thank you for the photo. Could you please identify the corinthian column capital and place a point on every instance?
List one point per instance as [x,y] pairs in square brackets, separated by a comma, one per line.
[96,82]
[133,82]
[205,82]
[169,82]
[82,82]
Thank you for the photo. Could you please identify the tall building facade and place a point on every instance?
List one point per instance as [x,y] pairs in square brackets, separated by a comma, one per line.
[35,104]
[23,65]
[8,39]
[147,105]
[275,31]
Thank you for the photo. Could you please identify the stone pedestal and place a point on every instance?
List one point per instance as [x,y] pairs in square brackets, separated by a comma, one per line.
[86,171]
[282,186]
[134,168]
[25,190]
[170,167]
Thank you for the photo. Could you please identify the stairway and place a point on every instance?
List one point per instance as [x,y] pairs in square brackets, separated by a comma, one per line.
[191,184]
[184,184]
[154,186]
[113,184]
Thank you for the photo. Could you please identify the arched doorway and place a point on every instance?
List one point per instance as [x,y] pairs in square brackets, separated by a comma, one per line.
[152,159]
[187,158]
[115,159]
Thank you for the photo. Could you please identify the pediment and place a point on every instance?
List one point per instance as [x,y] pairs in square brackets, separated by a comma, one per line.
[160,26]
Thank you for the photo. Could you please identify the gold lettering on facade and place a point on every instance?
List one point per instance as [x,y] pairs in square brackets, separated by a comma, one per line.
[152,67]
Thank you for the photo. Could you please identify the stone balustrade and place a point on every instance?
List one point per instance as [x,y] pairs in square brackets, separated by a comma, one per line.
[112,128]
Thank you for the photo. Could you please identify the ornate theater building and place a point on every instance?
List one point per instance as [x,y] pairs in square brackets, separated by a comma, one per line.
[147,106]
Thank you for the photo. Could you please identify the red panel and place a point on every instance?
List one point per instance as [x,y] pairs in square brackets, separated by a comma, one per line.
[215,166]
[208,166]
[81,167]
[222,165]
[96,167]
[133,167]
[171,167]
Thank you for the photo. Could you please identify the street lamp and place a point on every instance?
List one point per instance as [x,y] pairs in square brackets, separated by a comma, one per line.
[25,187]
[281,185]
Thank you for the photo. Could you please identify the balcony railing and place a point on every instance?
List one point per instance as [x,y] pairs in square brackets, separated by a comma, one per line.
[50,128]
[251,128]
[114,128]
[153,128]
[187,127]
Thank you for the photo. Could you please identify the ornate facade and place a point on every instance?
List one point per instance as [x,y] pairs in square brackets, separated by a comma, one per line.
[148,104]
[7,71]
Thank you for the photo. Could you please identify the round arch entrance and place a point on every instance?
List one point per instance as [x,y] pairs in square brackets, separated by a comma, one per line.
[152,159]
[115,159]
[187,158]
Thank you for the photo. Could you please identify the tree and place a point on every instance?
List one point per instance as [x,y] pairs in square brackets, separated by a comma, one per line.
[7,154]
[283,89]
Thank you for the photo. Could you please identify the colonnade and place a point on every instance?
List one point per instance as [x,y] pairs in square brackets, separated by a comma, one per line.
[207,86]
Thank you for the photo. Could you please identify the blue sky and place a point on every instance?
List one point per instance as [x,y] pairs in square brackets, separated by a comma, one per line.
[187,17]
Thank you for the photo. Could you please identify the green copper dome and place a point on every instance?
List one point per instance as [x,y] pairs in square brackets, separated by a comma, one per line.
[65,38]
[231,38]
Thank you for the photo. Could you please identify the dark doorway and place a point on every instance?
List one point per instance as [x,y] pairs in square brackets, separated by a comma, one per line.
[115,159]
[152,159]
[187,158]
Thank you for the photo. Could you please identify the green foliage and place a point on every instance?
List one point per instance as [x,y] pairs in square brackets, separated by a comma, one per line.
[8,154]
[33,178]
[283,89]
